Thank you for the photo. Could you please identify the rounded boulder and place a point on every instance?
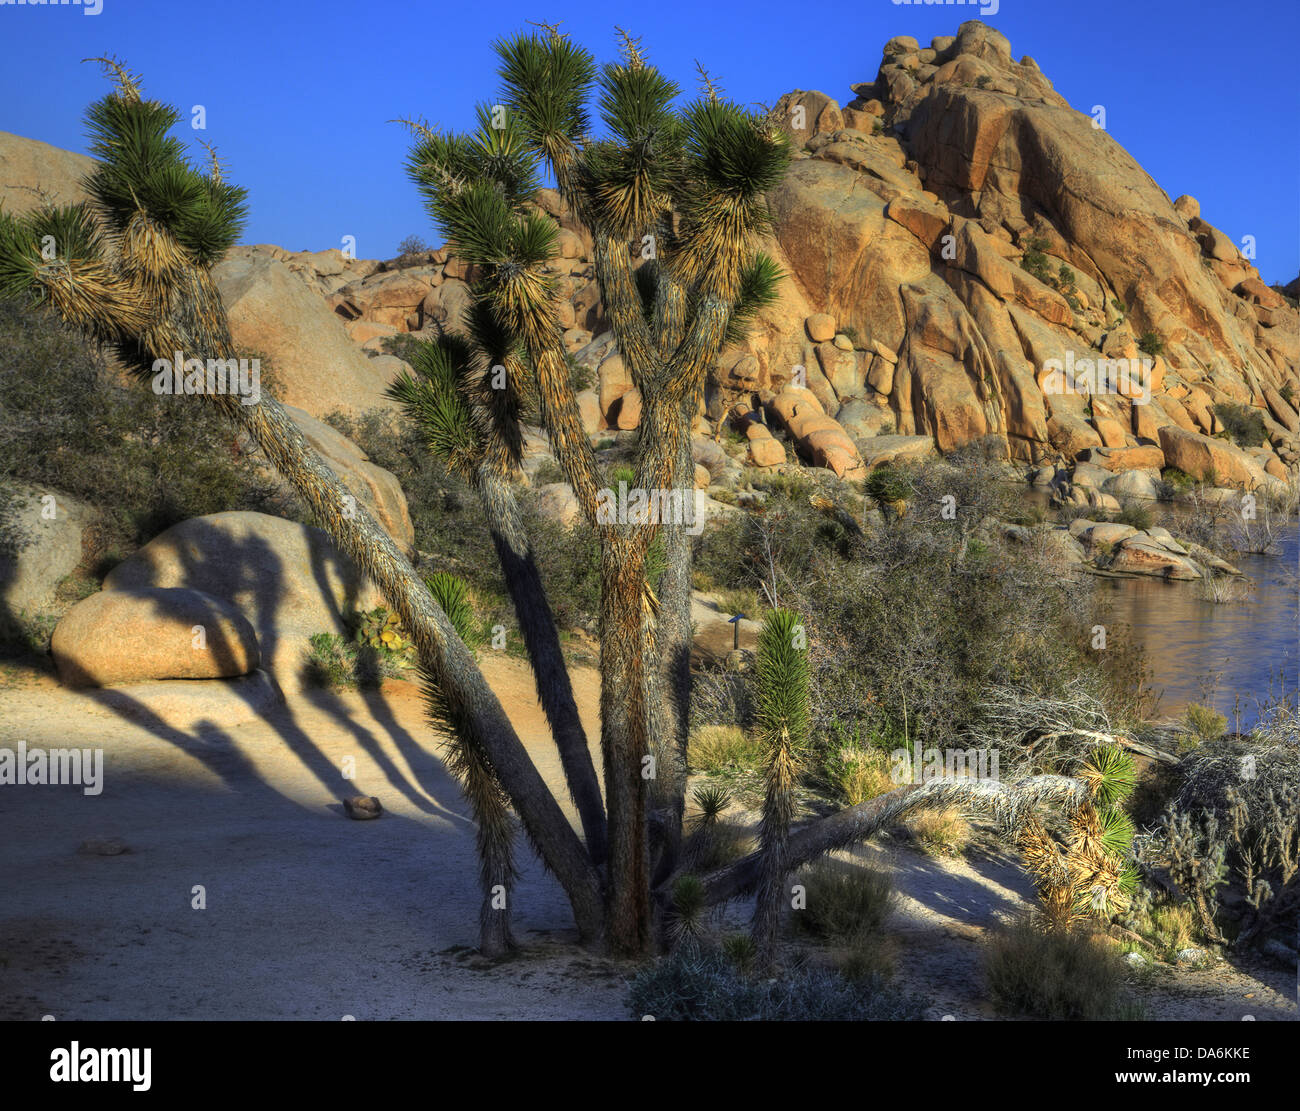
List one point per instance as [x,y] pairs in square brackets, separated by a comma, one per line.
[121,636]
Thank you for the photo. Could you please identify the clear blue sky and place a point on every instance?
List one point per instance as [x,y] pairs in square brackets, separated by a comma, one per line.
[298,94]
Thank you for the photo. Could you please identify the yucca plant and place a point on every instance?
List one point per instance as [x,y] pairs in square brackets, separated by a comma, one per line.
[493,826]
[474,429]
[690,182]
[1090,876]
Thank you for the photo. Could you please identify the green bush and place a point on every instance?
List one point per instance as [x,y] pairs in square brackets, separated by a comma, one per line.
[337,662]
[888,483]
[1134,514]
[902,633]
[1244,423]
[1205,725]
[701,984]
[723,749]
[1151,344]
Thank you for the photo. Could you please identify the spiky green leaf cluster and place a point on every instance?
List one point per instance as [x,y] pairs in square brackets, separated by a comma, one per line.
[431,397]
[782,678]
[546,81]
[1111,774]
[759,287]
[142,166]
[629,178]
[497,153]
[451,592]
[46,237]
[735,151]
[1116,831]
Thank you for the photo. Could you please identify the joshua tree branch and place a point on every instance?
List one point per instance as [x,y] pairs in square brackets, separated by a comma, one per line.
[1007,804]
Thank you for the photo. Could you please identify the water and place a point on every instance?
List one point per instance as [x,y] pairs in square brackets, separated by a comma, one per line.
[1212,652]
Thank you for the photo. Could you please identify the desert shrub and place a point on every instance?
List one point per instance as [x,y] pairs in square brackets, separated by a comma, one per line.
[941,832]
[721,698]
[1166,925]
[701,984]
[733,600]
[1151,344]
[1133,513]
[856,774]
[1035,972]
[888,484]
[412,245]
[1173,482]
[844,902]
[905,628]
[338,662]
[793,486]
[548,471]
[403,345]
[869,958]
[1244,423]
[70,423]
[1035,262]
[723,750]
[1234,826]
[1204,724]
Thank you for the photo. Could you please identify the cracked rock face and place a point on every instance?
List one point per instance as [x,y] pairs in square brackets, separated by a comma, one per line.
[961,215]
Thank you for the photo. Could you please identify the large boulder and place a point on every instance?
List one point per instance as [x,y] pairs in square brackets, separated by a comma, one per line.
[1209,459]
[44,547]
[274,313]
[130,636]
[287,579]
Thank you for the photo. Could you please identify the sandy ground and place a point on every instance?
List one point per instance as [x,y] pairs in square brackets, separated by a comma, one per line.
[310,915]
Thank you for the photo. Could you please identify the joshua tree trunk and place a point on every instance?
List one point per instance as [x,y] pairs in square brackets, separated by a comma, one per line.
[848,827]
[625,746]
[537,624]
[672,680]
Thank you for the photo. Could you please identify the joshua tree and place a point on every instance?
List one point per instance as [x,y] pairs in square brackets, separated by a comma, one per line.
[674,201]
[784,719]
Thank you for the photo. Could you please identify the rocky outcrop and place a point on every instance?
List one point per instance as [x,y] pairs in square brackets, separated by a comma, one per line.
[1112,548]
[1211,460]
[33,174]
[964,226]
[377,489]
[129,636]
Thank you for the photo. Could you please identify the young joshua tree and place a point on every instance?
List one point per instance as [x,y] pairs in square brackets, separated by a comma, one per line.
[784,719]
[674,200]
